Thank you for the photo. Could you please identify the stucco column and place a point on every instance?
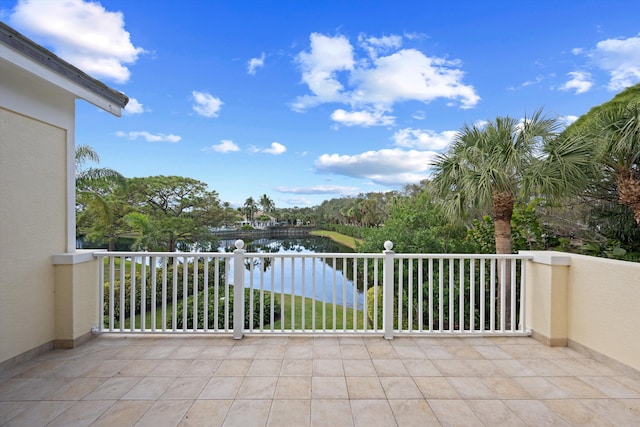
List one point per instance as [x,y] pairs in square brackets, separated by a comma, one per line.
[76,298]
[547,297]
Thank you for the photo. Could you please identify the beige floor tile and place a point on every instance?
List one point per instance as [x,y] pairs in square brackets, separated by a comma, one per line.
[265,367]
[400,388]
[464,352]
[185,388]
[513,368]
[201,368]
[413,413]
[436,388]
[206,413]
[544,368]
[290,413]
[234,367]
[347,340]
[535,413]
[296,367]
[148,388]
[165,413]
[365,388]
[331,413]
[107,368]
[438,352]
[506,388]
[492,352]
[8,410]
[221,388]
[248,413]
[541,388]
[575,413]
[169,368]
[158,352]
[327,368]
[371,413]
[467,368]
[382,351]
[329,388]
[299,351]
[633,384]
[113,388]
[454,413]
[390,368]
[82,413]
[327,351]
[138,368]
[123,413]
[495,413]
[186,352]
[214,352]
[421,368]
[586,367]
[257,388]
[130,352]
[77,389]
[576,388]
[354,351]
[614,411]
[359,368]
[271,352]
[243,352]
[39,414]
[471,388]
[412,351]
[611,387]
[293,388]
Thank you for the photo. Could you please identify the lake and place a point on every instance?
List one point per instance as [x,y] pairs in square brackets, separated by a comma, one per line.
[324,269]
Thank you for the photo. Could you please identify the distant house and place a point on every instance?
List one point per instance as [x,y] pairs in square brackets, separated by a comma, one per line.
[46,287]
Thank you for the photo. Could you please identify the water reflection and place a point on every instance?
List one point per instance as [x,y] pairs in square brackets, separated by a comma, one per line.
[322,278]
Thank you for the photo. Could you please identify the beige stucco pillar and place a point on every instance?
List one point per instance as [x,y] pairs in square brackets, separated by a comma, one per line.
[547,296]
[76,298]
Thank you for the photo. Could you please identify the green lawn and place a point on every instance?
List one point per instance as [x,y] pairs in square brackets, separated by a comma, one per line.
[347,241]
[285,318]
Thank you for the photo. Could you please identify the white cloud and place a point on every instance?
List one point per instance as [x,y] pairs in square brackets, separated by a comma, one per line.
[225,146]
[319,189]
[567,120]
[276,149]
[83,33]
[206,104]
[255,63]
[149,137]
[580,82]
[423,139]
[621,59]
[333,75]
[299,201]
[134,107]
[377,45]
[362,118]
[387,166]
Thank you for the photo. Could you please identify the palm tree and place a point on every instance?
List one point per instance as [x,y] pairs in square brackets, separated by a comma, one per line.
[84,176]
[490,167]
[266,203]
[250,207]
[617,138]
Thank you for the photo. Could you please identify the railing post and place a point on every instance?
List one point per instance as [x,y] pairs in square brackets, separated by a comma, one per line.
[388,290]
[238,290]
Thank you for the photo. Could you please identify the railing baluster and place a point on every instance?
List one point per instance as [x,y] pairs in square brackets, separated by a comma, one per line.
[262,268]
[492,303]
[143,293]
[355,295]
[410,296]
[123,291]
[472,294]
[513,295]
[452,291]
[205,294]
[195,293]
[132,301]
[400,292]
[483,263]
[503,287]
[293,300]
[303,277]
[419,289]
[112,285]
[461,297]
[344,294]
[430,294]
[101,279]
[313,294]
[376,305]
[441,294]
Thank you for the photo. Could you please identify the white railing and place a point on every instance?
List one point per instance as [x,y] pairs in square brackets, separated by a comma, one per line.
[384,293]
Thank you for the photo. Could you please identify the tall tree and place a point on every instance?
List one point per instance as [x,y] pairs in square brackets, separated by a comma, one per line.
[266,203]
[489,167]
[617,137]
[250,206]
[86,175]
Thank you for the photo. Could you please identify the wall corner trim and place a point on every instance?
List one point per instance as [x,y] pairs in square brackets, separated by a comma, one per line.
[548,258]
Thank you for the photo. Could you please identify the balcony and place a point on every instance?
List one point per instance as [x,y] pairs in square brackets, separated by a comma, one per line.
[567,352]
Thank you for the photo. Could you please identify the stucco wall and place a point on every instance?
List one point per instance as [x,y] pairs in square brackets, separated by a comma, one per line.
[588,301]
[33,227]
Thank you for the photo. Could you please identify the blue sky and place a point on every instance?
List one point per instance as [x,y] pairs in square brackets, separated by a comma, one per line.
[309,100]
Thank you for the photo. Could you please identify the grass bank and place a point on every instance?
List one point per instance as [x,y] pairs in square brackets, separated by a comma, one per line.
[347,241]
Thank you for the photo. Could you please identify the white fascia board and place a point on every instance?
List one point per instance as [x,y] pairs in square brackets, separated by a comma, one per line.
[48,75]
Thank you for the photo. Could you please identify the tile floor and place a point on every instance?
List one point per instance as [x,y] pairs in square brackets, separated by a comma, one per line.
[315,381]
